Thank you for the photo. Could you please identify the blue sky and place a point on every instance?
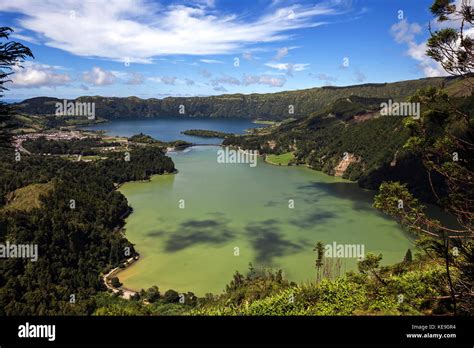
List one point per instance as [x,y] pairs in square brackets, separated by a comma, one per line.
[208,47]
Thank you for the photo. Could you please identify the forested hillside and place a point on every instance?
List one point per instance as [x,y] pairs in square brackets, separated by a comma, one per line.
[75,225]
[271,106]
[350,130]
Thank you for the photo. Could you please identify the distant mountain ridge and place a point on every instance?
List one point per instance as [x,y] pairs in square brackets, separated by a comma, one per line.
[269,106]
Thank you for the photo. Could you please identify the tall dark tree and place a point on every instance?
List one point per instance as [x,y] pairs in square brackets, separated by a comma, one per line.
[12,54]
[444,139]
[319,249]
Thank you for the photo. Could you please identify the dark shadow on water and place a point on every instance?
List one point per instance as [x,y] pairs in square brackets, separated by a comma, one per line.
[155,233]
[271,204]
[201,224]
[267,240]
[306,243]
[362,199]
[312,219]
[192,232]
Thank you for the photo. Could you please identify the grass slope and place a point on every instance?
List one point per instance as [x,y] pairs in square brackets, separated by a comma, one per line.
[27,198]
[280,160]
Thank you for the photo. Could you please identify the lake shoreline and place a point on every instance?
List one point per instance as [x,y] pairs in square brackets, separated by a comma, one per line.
[200,164]
[143,276]
[127,292]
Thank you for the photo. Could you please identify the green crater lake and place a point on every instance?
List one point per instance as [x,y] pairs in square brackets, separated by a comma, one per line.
[229,206]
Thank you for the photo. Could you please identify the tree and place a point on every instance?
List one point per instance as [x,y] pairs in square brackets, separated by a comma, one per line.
[171,296]
[190,299]
[443,139]
[12,54]
[152,294]
[370,265]
[115,282]
[237,281]
[319,249]
[408,256]
[450,47]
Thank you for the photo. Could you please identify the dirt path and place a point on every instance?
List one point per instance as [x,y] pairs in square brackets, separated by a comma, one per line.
[127,293]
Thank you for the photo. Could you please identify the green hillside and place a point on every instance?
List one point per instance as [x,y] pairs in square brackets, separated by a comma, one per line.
[349,129]
[270,106]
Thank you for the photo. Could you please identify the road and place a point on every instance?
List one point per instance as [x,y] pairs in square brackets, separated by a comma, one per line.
[127,293]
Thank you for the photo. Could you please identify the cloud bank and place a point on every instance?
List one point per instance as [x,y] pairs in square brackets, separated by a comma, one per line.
[137,30]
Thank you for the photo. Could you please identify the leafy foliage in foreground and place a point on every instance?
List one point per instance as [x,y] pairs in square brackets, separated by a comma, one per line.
[411,287]
[354,294]
[443,139]
[111,305]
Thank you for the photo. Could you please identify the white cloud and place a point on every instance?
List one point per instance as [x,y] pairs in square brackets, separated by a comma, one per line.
[281,52]
[139,30]
[120,74]
[135,79]
[208,3]
[328,80]
[167,80]
[247,55]
[37,75]
[99,77]
[228,80]
[324,77]
[404,32]
[269,80]
[288,66]
[211,61]
[25,38]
